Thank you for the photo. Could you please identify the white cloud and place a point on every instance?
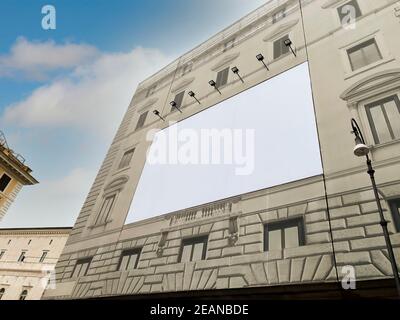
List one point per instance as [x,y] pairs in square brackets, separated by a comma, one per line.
[51,202]
[92,96]
[34,60]
[89,98]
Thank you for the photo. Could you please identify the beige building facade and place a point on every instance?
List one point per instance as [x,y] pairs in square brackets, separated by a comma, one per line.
[14,174]
[299,239]
[27,261]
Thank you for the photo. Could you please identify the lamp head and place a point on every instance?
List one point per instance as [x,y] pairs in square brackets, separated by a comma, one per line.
[360,150]
[287,42]
[260,57]
[191,94]
[212,83]
[235,70]
[156,112]
[173,103]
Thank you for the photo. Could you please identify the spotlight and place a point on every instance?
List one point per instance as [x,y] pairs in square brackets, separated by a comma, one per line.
[260,58]
[191,94]
[235,70]
[288,43]
[173,104]
[157,113]
[213,84]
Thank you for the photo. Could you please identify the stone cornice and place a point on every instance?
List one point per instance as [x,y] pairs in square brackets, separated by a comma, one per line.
[33,231]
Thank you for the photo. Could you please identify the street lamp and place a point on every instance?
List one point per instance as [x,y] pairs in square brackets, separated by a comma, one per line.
[260,58]
[193,95]
[213,84]
[157,113]
[235,70]
[288,43]
[174,105]
[361,150]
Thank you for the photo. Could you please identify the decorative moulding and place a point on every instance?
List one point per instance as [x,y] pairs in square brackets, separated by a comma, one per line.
[148,104]
[225,61]
[377,82]
[181,85]
[330,3]
[116,184]
[284,28]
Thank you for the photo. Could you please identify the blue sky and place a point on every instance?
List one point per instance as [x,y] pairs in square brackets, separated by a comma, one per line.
[56,108]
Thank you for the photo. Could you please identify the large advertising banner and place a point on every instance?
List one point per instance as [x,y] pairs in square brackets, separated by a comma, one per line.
[262,137]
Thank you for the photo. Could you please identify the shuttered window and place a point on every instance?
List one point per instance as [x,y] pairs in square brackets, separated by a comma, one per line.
[105,210]
[222,77]
[384,119]
[126,159]
[141,121]
[193,249]
[284,234]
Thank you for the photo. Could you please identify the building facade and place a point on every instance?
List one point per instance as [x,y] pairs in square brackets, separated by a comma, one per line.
[27,261]
[299,239]
[14,174]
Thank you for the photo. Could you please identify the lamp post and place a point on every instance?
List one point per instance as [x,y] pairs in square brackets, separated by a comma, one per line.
[360,150]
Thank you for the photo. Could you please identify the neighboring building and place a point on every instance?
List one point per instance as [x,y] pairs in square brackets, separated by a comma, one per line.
[27,260]
[290,240]
[13,175]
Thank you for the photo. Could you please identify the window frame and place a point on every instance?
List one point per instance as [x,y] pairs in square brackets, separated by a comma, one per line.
[22,256]
[130,253]
[360,46]
[380,103]
[81,262]
[394,205]
[129,153]
[282,225]
[23,295]
[103,218]
[142,120]
[43,256]
[192,242]
[3,189]
[222,74]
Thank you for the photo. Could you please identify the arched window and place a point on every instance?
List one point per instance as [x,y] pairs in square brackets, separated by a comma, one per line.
[23,295]
[2,290]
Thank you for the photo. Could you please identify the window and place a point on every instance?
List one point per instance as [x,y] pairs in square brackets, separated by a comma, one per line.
[22,256]
[141,120]
[222,77]
[178,100]
[384,119]
[151,90]
[4,181]
[364,54]
[284,234]
[81,268]
[44,254]
[280,48]
[193,249]
[395,209]
[2,252]
[105,209]
[23,295]
[347,9]
[2,291]
[126,159]
[279,15]
[129,259]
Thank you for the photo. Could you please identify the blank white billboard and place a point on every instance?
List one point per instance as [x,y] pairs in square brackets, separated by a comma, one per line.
[262,137]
